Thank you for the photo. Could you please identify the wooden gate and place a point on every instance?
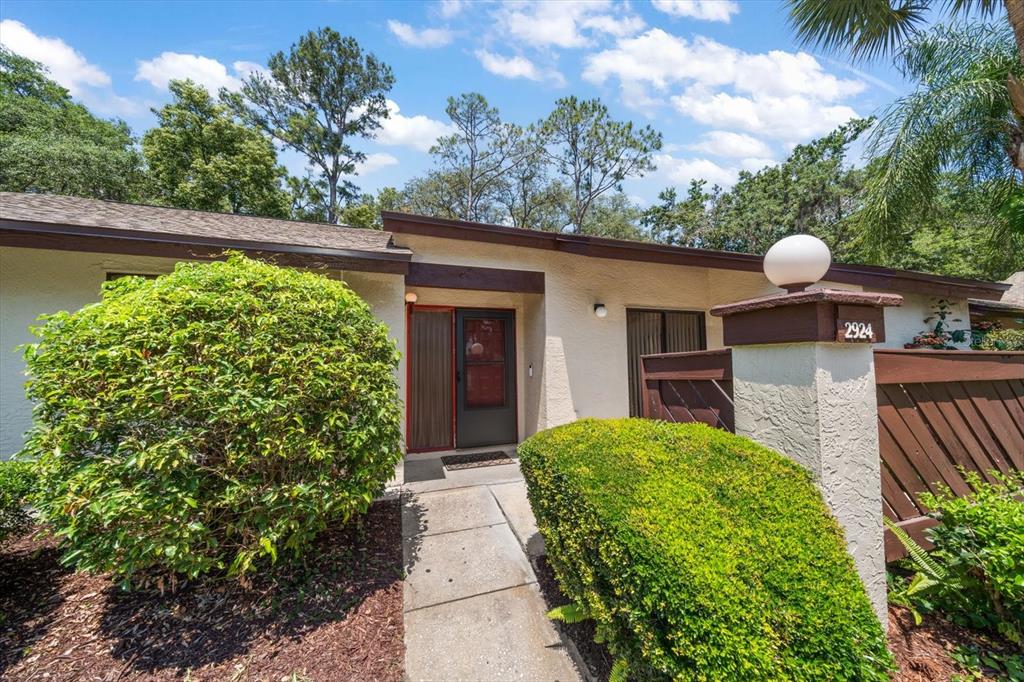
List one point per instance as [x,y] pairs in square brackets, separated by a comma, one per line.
[940,412]
[689,387]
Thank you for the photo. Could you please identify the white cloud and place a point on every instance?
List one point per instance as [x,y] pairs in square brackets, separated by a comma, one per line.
[451,8]
[208,72]
[732,145]
[245,69]
[374,162]
[516,67]
[682,170]
[726,87]
[66,65]
[419,132]
[706,10]
[566,24]
[424,37]
[793,117]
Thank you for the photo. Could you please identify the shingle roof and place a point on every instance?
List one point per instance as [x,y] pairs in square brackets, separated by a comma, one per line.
[157,221]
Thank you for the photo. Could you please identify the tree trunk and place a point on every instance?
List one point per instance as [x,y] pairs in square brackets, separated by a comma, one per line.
[1015,12]
[332,198]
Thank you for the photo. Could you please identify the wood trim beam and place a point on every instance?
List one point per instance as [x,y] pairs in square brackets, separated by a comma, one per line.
[920,366]
[195,250]
[441,276]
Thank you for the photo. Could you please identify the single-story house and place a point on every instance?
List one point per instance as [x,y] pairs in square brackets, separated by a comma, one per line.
[503,331]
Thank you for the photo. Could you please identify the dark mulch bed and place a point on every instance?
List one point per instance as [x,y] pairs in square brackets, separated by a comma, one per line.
[339,617]
[922,652]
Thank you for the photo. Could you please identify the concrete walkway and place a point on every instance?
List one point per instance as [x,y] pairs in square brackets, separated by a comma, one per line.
[473,610]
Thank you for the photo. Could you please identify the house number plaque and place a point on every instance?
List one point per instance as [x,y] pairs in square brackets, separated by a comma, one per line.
[859,324]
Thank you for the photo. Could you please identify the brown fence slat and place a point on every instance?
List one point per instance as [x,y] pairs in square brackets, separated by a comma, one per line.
[689,387]
[941,415]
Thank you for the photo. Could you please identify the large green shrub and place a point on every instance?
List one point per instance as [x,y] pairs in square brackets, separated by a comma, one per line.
[16,483]
[700,554]
[210,417]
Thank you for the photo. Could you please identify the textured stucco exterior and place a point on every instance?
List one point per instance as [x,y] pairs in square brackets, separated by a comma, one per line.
[815,402]
[579,361]
[39,281]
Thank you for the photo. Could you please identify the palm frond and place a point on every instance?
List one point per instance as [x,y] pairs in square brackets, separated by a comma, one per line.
[957,121]
[864,28]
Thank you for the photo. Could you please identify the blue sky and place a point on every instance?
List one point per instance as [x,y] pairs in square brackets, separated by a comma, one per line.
[724,81]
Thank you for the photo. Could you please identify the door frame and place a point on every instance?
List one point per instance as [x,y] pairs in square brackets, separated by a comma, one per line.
[454,443]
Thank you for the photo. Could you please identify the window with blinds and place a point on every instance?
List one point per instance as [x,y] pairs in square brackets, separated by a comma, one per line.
[658,331]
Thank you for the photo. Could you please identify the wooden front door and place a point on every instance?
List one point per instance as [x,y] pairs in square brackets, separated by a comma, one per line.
[485,377]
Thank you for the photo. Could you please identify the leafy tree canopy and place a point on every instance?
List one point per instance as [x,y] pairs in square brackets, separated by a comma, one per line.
[320,97]
[48,143]
[200,157]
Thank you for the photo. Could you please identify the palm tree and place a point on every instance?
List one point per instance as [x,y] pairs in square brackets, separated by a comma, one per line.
[966,116]
[873,28]
[959,120]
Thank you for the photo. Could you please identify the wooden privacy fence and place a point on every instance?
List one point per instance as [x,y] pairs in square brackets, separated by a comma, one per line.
[938,412]
[689,387]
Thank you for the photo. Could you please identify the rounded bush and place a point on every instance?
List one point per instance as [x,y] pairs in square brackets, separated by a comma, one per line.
[700,554]
[211,418]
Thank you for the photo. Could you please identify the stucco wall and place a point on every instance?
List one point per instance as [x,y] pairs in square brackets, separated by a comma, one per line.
[815,402]
[903,323]
[38,281]
[582,368]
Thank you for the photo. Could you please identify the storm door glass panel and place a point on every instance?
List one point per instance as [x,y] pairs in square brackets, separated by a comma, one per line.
[643,337]
[485,371]
[430,379]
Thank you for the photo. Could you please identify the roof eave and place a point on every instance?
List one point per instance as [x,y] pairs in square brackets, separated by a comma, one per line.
[602,247]
[136,242]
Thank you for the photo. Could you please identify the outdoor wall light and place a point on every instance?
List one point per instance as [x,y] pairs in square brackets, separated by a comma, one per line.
[600,311]
[411,297]
[796,262]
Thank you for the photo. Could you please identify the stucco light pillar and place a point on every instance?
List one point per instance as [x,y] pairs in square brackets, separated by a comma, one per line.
[804,385]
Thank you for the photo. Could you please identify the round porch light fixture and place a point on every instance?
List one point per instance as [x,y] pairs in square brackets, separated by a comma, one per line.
[794,263]
[411,297]
[600,311]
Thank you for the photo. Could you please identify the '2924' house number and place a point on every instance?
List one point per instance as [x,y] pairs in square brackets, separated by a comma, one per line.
[858,331]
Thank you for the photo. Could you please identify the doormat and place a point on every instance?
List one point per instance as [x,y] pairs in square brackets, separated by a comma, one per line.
[476,459]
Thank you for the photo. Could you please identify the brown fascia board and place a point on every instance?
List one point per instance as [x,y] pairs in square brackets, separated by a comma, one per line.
[869,276]
[63,237]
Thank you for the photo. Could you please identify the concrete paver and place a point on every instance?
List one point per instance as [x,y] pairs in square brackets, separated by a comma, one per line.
[497,636]
[464,563]
[449,510]
[516,508]
[473,610]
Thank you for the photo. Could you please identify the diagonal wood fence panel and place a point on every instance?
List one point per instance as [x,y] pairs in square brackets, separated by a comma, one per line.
[938,412]
[689,387]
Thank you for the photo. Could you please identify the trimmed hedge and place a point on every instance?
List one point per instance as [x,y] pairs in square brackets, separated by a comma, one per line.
[213,419]
[700,554]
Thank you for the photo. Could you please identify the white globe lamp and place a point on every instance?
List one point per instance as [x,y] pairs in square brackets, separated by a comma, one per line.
[794,263]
